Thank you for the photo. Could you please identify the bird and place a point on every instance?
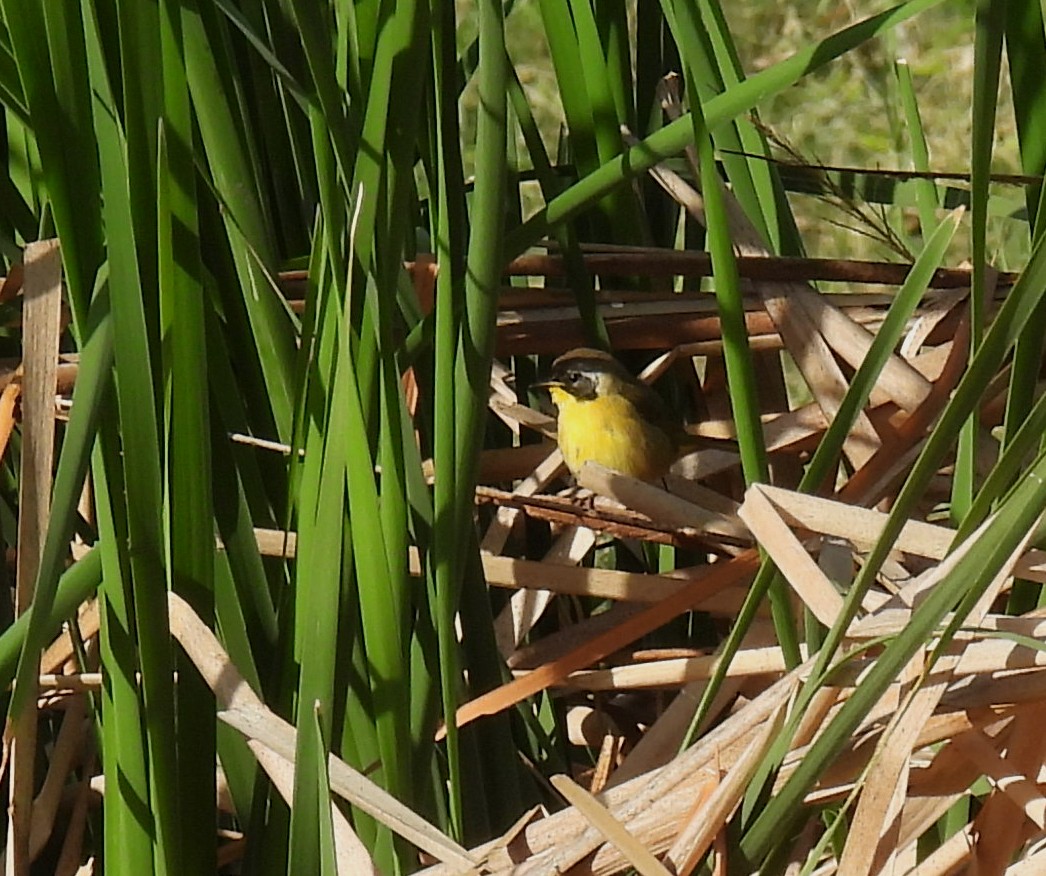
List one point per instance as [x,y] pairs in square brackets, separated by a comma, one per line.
[606,415]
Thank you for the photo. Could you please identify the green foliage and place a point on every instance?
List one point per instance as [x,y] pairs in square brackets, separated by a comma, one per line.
[186,151]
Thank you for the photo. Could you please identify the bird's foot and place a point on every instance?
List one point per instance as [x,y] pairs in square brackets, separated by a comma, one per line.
[582,496]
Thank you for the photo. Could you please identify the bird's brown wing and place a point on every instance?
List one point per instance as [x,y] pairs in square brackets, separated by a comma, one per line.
[652,408]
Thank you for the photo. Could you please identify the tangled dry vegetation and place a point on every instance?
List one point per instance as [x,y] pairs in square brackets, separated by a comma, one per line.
[945,722]
[939,727]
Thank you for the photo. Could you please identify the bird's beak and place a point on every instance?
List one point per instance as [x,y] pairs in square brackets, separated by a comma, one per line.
[545,384]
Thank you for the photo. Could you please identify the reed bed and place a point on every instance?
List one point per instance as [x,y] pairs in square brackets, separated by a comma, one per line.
[905,728]
[294,580]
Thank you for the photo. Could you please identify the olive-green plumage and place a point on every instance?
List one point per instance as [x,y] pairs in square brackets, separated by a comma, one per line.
[608,416]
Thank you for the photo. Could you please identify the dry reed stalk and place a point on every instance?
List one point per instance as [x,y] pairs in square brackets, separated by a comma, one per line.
[635,853]
[650,806]
[42,311]
[241,708]
[719,576]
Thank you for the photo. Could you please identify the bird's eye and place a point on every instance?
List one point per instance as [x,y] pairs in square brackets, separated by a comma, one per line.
[573,377]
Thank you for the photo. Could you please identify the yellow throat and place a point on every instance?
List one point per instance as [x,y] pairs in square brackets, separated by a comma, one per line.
[610,430]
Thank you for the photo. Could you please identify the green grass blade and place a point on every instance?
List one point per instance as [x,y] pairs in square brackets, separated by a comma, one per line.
[89,401]
[886,340]
[321,782]
[926,190]
[705,43]
[261,45]
[189,512]
[231,625]
[141,457]
[826,457]
[961,587]
[319,575]
[449,222]
[577,105]
[1025,54]
[623,220]
[76,585]
[1025,297]
[12,95]
[674,137]
[566,234]
[1025,37]
[48,45]
[319,53]
[990,21]
[245,216]
[1006,471]
[464,343]
[744,396]
[129,829]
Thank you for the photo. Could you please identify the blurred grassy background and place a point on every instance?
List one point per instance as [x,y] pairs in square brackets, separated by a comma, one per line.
[846,114]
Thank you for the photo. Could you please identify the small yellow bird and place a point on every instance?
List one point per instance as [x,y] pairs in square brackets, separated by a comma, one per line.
[608,416]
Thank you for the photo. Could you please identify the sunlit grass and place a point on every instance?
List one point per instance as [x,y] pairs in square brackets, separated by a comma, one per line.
[845,115]
[338,136]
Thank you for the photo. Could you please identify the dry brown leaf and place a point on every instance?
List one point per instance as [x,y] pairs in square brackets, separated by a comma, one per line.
[719,576]
[704,825]
[799,570]
[634,851]
[241,708]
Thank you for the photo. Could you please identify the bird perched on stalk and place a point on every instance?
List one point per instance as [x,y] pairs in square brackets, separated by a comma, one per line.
[608,416]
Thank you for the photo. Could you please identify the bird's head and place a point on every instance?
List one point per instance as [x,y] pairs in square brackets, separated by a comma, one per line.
[585,374]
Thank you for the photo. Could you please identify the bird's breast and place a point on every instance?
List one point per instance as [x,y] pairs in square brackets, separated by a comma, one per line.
[610,431]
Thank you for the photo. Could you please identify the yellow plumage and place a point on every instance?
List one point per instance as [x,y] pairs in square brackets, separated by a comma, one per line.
[609,417]
[609,430]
